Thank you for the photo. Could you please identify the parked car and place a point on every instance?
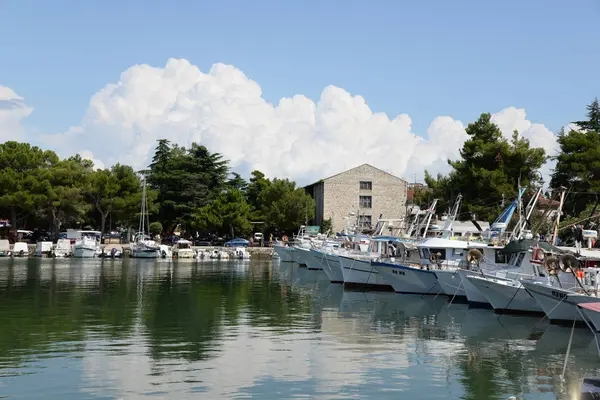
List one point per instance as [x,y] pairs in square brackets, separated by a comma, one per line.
[258,237]
[237,242]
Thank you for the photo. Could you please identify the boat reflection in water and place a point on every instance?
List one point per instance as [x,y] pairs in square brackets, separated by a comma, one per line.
[220,330]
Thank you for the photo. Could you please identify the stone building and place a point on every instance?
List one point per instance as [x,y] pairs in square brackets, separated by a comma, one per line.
[364,190]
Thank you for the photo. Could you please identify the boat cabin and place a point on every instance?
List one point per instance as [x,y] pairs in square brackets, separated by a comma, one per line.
[454,253]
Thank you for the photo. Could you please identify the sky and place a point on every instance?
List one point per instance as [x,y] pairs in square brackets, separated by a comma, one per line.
[299,89]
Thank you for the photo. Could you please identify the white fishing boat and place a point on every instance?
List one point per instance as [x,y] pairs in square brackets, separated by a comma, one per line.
[143,246]
[86,247]
[283,251]
[63,248]
[43,249]
[559,299]
[20,249]
[183,249]
[5,248]
[330,263]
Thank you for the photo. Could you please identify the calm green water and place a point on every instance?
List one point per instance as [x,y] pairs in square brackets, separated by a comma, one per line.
[133,329]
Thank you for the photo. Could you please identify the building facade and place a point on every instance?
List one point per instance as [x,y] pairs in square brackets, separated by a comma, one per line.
[366,191]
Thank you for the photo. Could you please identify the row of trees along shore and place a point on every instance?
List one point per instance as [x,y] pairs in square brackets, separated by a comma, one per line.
[194,190]
[490,167]
[189,189]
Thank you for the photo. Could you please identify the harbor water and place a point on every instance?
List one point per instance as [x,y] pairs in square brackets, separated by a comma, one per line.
[143,329]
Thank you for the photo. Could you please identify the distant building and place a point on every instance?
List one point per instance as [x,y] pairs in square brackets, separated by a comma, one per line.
[364,190]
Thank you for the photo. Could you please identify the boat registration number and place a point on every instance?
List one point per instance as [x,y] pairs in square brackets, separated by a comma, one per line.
[397,272]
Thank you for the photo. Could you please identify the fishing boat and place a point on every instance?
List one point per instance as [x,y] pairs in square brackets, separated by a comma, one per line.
[87,245]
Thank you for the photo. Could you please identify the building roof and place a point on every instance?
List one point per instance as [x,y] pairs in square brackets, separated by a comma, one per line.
[348,170]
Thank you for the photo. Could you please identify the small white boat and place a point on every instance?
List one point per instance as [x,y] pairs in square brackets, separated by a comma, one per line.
[43,249]
[5,248]
[219,255]
[86,247]
[144,247]
[241,253]
[165,251]
[111,252]
[20,249]
[63,248]
[183,249]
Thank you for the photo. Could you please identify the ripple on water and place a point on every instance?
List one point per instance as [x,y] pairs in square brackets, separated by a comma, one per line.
[137,328]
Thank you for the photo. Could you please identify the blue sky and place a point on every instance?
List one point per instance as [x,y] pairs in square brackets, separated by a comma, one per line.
[424,58]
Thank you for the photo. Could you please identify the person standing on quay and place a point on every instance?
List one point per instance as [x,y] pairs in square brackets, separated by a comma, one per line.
[578,236]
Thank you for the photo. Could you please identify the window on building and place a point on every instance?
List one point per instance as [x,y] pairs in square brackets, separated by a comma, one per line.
[365,202]
[364,185]
[364,221]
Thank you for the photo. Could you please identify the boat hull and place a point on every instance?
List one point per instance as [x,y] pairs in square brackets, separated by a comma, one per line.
[406,279]
[330,265]
[560,305]
[506,296]
[144,253]
[301,256]
[312,263]
[284,253]
[592,317]
[84,252]
[360,273]
[451,283]
[473,295]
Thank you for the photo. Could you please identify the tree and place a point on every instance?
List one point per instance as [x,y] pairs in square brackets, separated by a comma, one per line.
[116,191]
[326,225]
[185,179]
[578,162]
[489,167]
[65,200]
[285,206]
[237,182]
[258,184]
[593,121]
[228,214]
[155,228]
[21,181]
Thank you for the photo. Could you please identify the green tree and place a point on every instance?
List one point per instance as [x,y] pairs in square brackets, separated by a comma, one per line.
[593,121]
[228,214]
[326,225]
[21,178]
[237,182]
[258,184]
[489,167]
[65,199]
[285,206]
[578,162]
[155,228]
[117,191]
[185,179]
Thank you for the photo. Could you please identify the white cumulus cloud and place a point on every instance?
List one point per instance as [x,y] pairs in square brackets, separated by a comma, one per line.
[297,138]
[12,111]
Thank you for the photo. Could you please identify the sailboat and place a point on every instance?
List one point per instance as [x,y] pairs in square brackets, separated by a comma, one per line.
[143,246]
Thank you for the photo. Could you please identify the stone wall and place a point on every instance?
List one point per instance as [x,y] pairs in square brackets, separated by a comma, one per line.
[342,191]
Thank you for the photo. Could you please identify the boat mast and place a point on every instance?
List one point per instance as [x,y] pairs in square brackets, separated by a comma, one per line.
[556,223]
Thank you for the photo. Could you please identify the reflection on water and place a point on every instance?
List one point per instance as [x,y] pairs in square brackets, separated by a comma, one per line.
[74,329]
